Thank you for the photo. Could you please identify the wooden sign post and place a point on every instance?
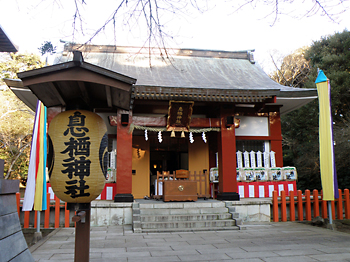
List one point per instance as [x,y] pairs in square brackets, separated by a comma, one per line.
[82,232]
[78,168]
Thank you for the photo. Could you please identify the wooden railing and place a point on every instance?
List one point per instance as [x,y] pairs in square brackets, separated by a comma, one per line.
[304,207]
[57,205]
[202,180]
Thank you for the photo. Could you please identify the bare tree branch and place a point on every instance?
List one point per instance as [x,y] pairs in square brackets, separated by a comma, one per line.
[15,160]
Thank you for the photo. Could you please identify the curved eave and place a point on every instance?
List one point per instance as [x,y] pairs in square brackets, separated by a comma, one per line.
[6,44]
[59,84]
[22,92]
[290,104]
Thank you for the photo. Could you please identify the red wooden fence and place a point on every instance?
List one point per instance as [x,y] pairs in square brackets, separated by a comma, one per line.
[57,206]
[305,204]
[302,204]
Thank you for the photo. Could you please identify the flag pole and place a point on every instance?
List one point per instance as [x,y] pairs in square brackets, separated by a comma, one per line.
[38,221]
[330,215]
[38,234]
[327,164]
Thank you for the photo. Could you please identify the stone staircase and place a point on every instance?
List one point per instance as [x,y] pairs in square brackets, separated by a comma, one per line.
[203,215]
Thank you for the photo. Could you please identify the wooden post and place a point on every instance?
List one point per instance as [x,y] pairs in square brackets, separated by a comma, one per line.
[276,136]
[18,200]
[333,209]
[291,206]
[275,206]
[47,212]
[347,203]
[300,206]
[227,158]
[283,207]
[316,203]
[324,208]
[307,205]
[26,219]
[35,218]
[82,234]
[124,159]
[66,216]
[57,212]
[340,205]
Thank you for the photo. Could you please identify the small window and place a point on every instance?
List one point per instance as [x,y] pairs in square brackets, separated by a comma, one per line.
[250,145]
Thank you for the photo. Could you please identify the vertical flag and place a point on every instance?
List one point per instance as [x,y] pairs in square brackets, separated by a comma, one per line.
[35,193]
[327,163]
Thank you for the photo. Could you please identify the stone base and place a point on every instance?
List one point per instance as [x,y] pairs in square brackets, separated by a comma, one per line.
[228,196]
[37,236]
[251,209]
[78,206]
[123,198]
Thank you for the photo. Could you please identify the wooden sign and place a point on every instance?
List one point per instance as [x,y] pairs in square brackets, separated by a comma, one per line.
[179,115]
[79,156]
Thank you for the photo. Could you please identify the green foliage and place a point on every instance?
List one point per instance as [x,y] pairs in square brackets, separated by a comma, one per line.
[332,55]
[16,119]
[300,128]
[300,144]
[47,48]
[294,69]
[16,123]
[17,62]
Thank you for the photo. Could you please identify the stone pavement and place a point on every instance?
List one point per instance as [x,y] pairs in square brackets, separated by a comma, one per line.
[270,242]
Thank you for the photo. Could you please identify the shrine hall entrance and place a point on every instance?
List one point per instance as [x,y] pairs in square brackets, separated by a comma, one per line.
[170,155]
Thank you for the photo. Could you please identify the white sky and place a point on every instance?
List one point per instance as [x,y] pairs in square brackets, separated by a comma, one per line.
[29,23]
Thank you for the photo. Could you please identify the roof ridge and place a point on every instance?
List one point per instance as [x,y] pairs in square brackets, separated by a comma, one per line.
[163,52]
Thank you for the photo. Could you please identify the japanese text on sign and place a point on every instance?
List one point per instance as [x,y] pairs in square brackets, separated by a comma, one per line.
[77,163]
[179,115]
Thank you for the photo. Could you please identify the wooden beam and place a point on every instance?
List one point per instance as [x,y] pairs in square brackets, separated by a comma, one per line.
[205,122]
[84,92]
[108,96]
[56,92]
[149,121]
[162,121]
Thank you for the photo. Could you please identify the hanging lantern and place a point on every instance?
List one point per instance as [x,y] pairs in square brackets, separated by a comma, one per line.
[172,133]
[79,156]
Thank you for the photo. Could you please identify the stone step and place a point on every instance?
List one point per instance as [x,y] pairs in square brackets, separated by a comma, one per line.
[182,211]
[179,205]
[193,217]
[171,230]
[188,224]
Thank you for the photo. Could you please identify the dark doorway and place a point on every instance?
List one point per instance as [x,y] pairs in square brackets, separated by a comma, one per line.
[170,155]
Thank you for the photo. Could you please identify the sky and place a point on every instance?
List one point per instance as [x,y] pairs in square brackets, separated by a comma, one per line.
[29,23]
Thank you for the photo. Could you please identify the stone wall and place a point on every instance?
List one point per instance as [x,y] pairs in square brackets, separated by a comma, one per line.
[251,209]
[108,213]
[13,246]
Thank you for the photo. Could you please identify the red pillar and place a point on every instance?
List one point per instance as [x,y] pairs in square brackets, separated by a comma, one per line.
[276,137]
[213,148]
[227,158]
[124,158]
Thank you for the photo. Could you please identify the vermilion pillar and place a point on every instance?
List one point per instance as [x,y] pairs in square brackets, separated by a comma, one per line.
[276,137]
[52,112]
[227,157]
[124,158]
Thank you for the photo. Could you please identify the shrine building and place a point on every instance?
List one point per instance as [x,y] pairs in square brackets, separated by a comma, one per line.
[179,109]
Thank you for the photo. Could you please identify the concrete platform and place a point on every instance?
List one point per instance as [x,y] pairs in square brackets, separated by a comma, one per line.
[269,242]
[108,213]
